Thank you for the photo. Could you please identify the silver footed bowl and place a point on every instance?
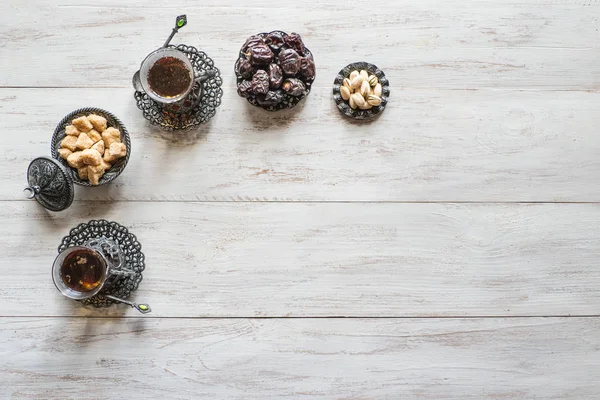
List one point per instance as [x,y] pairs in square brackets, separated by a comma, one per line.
[343,105]
[112,121]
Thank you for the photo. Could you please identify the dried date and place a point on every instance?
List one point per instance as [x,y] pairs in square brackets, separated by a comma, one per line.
[275,76]
[272,98]
[252,41]
[293,87]
[261,55]
[244,88]
[294,41]
[307,67]
[245,68]
[274,40]
[260,82]
[289,60]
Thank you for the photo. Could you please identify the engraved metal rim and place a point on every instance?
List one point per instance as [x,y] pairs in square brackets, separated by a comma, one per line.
[132,250]
[292,100]
[203,111]
[50,203]
[343,105]
[113,121]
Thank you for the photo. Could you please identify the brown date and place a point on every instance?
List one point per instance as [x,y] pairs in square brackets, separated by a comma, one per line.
[271,98]
[245,68]
[289,60]
[261,55]
[293,87]
[294,41]
[252,41]
[307,67]
[260,82]
[244,88]
[274,41]
[275,76]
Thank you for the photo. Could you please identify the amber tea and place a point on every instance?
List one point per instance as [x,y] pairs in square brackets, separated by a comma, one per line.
[83,270]
[169,77]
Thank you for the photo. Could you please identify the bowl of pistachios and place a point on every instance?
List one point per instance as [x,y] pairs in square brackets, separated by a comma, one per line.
[361,90]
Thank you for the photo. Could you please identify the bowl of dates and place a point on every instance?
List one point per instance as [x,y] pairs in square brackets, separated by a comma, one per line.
[274,70]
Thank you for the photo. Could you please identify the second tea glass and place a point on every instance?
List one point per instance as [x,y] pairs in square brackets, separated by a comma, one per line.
[112,264]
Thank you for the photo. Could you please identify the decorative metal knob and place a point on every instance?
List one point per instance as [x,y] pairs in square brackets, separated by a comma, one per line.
[33,191]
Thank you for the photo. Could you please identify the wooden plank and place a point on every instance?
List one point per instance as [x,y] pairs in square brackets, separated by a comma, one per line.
[297,259]
[428,146]
[425,44]
[76,358]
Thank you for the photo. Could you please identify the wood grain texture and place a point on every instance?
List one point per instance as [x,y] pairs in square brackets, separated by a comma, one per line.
[66,358]
[457,44]
[295,259]
[429,145]
[257,222]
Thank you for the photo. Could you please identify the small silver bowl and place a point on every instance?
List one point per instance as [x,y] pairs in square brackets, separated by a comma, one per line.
[343,105]
[112,121]
[288,101]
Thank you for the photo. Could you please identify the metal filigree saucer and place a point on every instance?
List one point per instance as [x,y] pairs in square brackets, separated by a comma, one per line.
[343,105]
[197,108]
[132,253]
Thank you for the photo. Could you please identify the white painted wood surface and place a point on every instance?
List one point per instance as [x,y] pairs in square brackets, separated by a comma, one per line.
[262,230]
[515,358]
[430,146]
[526,44]
[303,259]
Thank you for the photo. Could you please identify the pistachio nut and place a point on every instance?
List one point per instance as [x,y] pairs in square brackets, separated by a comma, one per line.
[373,100]
[345,92]
[377,90]
[365,89]
[358,100]
[347,83]
[356,82]
[352,103]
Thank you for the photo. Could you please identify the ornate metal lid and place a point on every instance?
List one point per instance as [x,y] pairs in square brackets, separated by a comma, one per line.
[50,184]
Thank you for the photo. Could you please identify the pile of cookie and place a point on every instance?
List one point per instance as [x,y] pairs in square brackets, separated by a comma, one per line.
[91,147]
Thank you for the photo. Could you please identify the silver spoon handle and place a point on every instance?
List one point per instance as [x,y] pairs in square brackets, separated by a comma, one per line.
[142,307]
[206,75]
[180,22]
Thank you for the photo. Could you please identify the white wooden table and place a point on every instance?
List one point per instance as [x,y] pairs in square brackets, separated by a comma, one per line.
[449,250]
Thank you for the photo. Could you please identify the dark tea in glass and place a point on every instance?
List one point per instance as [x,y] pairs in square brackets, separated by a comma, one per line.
[83,270]
[169,77]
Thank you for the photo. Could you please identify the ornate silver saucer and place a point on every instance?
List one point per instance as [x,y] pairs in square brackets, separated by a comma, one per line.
[132,254]
[198,105]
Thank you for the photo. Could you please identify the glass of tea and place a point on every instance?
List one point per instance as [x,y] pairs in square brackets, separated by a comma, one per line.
[80,272]
[167,75]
